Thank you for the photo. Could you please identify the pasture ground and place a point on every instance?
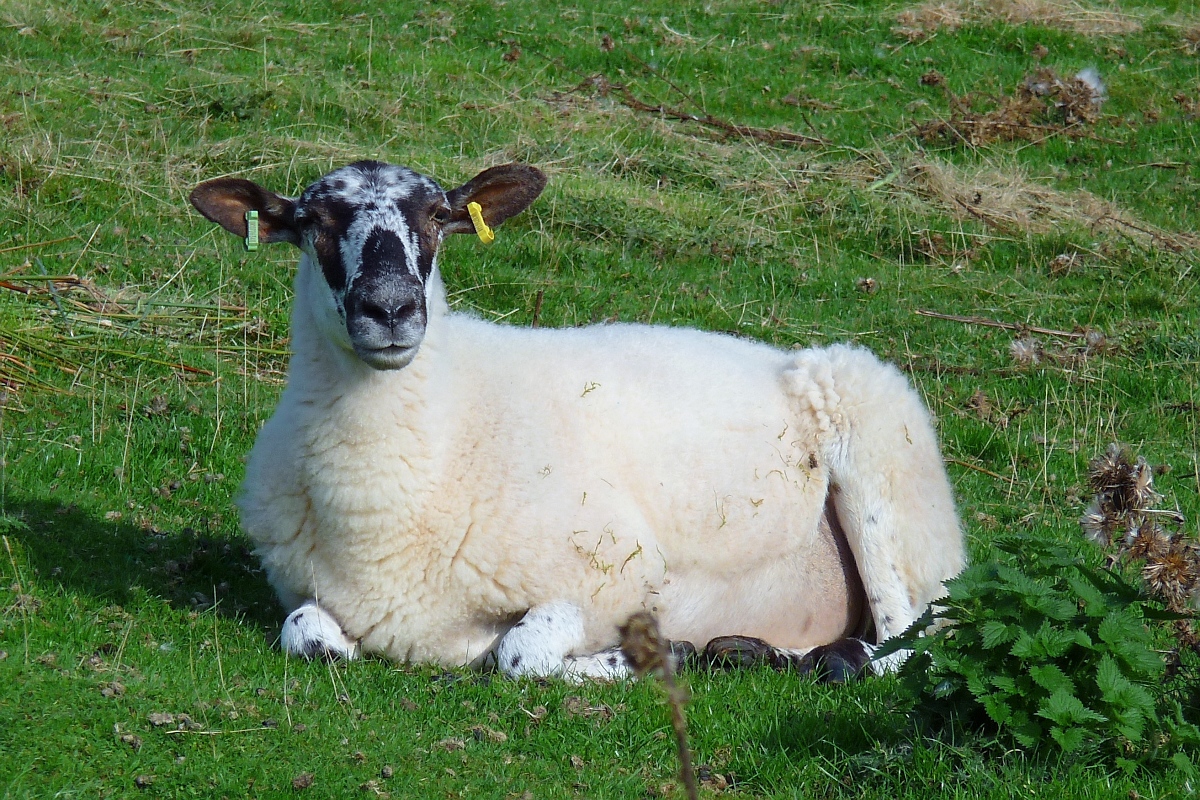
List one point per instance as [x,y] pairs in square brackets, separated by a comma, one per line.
[140,349]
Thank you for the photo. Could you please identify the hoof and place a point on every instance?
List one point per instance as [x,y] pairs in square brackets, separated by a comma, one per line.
[684,656]
[738,652]
[837,662]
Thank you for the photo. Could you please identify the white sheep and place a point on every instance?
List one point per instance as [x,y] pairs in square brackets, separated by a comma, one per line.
[437,488]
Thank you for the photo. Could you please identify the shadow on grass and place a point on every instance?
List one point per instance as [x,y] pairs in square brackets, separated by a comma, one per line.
[863,750]
[839,735]
[112,561]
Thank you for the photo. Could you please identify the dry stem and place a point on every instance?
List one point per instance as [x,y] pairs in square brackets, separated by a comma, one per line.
[601,84]
[648,653]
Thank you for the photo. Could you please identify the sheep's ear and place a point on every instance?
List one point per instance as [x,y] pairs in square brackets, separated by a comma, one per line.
[225,201]
[501,192]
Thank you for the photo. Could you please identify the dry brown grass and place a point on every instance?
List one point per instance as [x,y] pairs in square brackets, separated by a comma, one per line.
[1045,104]
[926,19]
[73,325]
[1007,200]
[1191,38]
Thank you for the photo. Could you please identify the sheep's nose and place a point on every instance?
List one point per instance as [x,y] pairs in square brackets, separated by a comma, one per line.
[387,301]
[389,311]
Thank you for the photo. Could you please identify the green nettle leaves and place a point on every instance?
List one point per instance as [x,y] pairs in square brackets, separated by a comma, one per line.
[1042,646]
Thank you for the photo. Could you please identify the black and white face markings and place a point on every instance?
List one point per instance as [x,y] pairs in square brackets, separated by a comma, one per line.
[375,229]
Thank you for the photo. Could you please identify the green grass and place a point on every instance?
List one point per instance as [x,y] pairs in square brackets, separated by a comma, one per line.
[131,399]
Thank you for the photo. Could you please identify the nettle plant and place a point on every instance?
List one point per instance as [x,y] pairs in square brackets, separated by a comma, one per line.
[1043,646]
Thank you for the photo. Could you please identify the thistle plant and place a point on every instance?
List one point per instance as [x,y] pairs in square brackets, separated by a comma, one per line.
[1120,517]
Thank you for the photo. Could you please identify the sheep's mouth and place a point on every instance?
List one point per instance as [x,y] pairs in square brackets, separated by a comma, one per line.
[392,356]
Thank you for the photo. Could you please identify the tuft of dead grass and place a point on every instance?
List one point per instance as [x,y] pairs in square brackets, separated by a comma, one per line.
[928,18]
[1044,104]
[1191,38]
[1007,200]
[73,324]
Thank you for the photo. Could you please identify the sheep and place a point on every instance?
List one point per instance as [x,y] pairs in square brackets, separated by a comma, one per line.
[437,488]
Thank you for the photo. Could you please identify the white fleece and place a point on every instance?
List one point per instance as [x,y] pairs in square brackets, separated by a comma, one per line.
[613,468]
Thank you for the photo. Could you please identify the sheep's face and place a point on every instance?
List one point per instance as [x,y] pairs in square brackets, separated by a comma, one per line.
[373,230]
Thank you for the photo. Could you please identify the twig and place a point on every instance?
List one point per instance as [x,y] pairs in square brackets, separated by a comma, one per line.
[768,135]
[215,733]
[982,218]
[135,356]
[537,307]
[20,590]
[647,652]
[1164,239]
[977,469]
[82,252]
[54,295]
[71,279]
[933,364]
[1008,326]
[626,98]
[601,82]
[31,246]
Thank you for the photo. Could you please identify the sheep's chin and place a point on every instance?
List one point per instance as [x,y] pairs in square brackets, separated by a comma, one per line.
[387,358]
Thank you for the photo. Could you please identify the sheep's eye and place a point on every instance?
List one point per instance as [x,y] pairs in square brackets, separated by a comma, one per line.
[314,218]
[440,215]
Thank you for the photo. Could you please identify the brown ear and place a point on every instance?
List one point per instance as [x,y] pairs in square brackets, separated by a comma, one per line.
[225,201]
[501,192]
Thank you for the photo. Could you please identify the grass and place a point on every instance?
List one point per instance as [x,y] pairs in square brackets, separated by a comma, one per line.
[133,390]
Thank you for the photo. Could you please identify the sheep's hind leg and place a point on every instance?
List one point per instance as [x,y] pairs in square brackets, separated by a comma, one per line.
[312,632]
[888,485]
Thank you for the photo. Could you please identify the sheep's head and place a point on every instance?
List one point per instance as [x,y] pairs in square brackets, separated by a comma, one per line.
[374,230]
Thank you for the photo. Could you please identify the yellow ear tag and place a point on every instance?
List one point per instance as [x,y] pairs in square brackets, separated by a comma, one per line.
[481,229]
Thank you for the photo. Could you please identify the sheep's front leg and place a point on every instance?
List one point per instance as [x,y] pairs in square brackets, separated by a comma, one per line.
[540,646]
[312,632]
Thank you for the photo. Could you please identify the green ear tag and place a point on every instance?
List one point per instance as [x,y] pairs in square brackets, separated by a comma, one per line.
[251,230]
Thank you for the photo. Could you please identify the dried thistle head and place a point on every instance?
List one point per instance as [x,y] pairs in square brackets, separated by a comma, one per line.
[1027,351]
[643,645]
[1121,484]
[1063,262]
[1148,541]
[867,285]
[1095,342]
[1098,523]
[1191,39]
[981,404]
[1173,575]
[1109,469]
[1140,492]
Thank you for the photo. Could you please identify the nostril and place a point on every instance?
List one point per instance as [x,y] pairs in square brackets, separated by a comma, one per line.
[376,311]
[388,313]
[406,310]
